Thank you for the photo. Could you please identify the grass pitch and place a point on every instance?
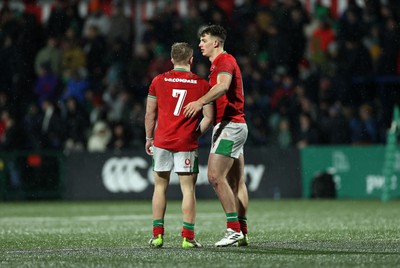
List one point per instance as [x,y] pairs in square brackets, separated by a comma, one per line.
[284,233]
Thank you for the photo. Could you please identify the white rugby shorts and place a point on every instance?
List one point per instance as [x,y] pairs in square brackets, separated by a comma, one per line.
[228,139]
[181,162]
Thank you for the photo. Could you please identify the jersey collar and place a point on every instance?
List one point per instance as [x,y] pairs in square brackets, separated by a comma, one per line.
[181,70]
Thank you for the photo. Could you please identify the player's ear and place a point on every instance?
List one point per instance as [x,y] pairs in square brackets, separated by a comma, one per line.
[172,60]
[191,60]
[216,42]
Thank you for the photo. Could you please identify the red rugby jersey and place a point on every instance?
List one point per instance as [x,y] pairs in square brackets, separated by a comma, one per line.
[174,90]
[230,107]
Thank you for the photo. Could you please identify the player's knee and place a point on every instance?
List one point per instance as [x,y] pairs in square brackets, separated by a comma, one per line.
[212,179]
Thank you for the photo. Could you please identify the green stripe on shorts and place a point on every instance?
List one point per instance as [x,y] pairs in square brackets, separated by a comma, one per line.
[196,165]
[224,147]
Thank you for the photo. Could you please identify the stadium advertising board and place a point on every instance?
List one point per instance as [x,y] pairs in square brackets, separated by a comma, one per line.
[357,171]
[269,173]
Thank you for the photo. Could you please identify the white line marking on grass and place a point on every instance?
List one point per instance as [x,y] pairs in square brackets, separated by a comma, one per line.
[98,218]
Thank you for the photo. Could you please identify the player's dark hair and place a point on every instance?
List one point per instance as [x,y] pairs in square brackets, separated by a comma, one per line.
[181,52]
[214,30]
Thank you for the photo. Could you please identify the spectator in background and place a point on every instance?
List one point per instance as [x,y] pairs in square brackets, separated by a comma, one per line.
[387,62]
[32,126]
[337,126]
[99,138]
[58,20]
[308,79]
[364,127]
[4,101]
[47,84]
[294,20]
[372,41]
[75,22]
[94,46]
[29,41]
[73,55]
[137,70]
[135,123]
[351,25]
[9,23]
[51,54]
[284,89]
[277,47]
[7,107]
[127,107]
[52,127]
[283,136]
[120,139]
[307,134]
[258,130]
[320,40]
[253,39]
[115,99]
[117,59]
[96,19]
[120,25]
[191,25]
[94,107]
[11,62]
[244,15]
[19,42]
[167,18]
[325,90]
[12,139]
[282,111]
[76,85]
[355,62]
[76,123]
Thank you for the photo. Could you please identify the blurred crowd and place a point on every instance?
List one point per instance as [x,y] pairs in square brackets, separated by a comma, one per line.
[78,83]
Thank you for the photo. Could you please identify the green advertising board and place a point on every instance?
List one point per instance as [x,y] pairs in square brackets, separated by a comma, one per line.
[357,171]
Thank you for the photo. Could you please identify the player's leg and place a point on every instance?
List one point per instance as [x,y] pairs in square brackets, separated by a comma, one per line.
[226,170]
[188,184]
[162,166]
[186,166]
[218,167]
[159,201]
[237,182]
[159,205]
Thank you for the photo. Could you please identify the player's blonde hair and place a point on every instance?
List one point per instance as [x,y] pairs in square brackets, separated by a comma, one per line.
[181,52]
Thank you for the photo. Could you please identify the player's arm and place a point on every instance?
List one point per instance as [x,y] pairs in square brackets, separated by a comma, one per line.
[150,122]
[220,88]
[207,121]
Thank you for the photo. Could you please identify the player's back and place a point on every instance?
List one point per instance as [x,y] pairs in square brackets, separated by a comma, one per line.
[173,90]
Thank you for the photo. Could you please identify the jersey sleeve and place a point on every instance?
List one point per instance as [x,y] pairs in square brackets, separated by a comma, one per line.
[152,89]
[226,66]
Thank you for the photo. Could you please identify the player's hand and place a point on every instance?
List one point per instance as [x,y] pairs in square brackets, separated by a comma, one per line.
[149,147]
[192,108]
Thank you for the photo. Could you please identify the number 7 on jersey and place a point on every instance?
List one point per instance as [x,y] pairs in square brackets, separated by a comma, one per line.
[180,94]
